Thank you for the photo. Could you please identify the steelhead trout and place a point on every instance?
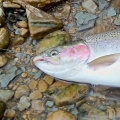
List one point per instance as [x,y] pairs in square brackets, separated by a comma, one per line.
[95,60]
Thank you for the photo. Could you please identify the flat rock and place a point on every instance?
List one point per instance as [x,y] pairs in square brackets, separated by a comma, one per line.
[8,4]
[53,40]
[6,95]
[61,115]
[3,60]
[11,72]
[70,94]
[111,12]
[33,84]
[40,23]
[42,86]
[22,24]
[49,103]
[38,107]
[87,112]
[2,109]
[21,90]
[18,40]
[84,18]
[90,6]
[4,35]
[35,95]
[24,103]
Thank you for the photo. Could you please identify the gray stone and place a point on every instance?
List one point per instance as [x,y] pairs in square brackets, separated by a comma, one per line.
[84,27]
[28,59]
[38,74]
[111,12]
[6,95]
[24,103]
[117,22]
[103,4]
[11,73]
[75,111]
[49,103]
[84,18]
[17,31]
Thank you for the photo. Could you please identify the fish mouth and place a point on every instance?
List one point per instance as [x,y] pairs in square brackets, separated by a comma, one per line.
[45,59]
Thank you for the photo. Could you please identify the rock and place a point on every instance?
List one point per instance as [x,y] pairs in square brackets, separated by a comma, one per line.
[40,23]
[4,35]
[6,95]
[38,107]
[116,4]
[111,113]
[42,4]
[57,86]
[42,86]
[48,79]
[2,109]
[24,74]
[24,103]
[18,40]
[117,109]
[49,103]
[117,22]
[3,60]
[21,90]
[52,40]
[90,6]
[84,27]
[87,112]
[33,84]
[70,94]
[24,32]
[2,16]
[35,95]
[9,74]
[10,113]
[84,18]
[61,115]
[22,24]
[103,4]
[111,12]
[8,4]
[65,13]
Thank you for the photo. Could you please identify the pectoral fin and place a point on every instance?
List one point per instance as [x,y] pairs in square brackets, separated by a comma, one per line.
[104,61]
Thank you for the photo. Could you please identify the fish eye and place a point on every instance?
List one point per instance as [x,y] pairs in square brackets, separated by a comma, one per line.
[54,52]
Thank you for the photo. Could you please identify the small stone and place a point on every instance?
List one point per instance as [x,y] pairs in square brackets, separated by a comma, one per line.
[21,90]
[49,103]
[24,32]
[4,38]
[111,113]
[24,103]
[18,40]
[6,95]
[10,113]
[42,86]
[22,24]
[24,74]
[10,5]
[35,95]
[48,79]
[38,107]
[117,22]
[11,85]
[90,6]
[111,12]
[61,115]
[72,30]
[33,84]
[34,70]
[3,60]
[117,109]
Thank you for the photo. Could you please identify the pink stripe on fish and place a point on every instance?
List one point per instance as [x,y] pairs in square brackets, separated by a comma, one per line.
[80,51]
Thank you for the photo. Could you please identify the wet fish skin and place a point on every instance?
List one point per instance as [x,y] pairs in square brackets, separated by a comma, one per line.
[103,48]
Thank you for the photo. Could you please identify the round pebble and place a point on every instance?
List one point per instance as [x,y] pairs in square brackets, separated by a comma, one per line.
[48,79]
[10,113]
[24,74]
[3,60]
[35,95]
[42,86]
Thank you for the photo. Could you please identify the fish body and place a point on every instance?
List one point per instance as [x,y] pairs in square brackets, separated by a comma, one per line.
[96,60]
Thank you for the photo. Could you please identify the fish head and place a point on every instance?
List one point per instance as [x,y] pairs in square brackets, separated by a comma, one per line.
[59,60]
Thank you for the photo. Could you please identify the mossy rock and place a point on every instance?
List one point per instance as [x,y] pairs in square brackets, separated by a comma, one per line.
[2,109]
[53,40]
